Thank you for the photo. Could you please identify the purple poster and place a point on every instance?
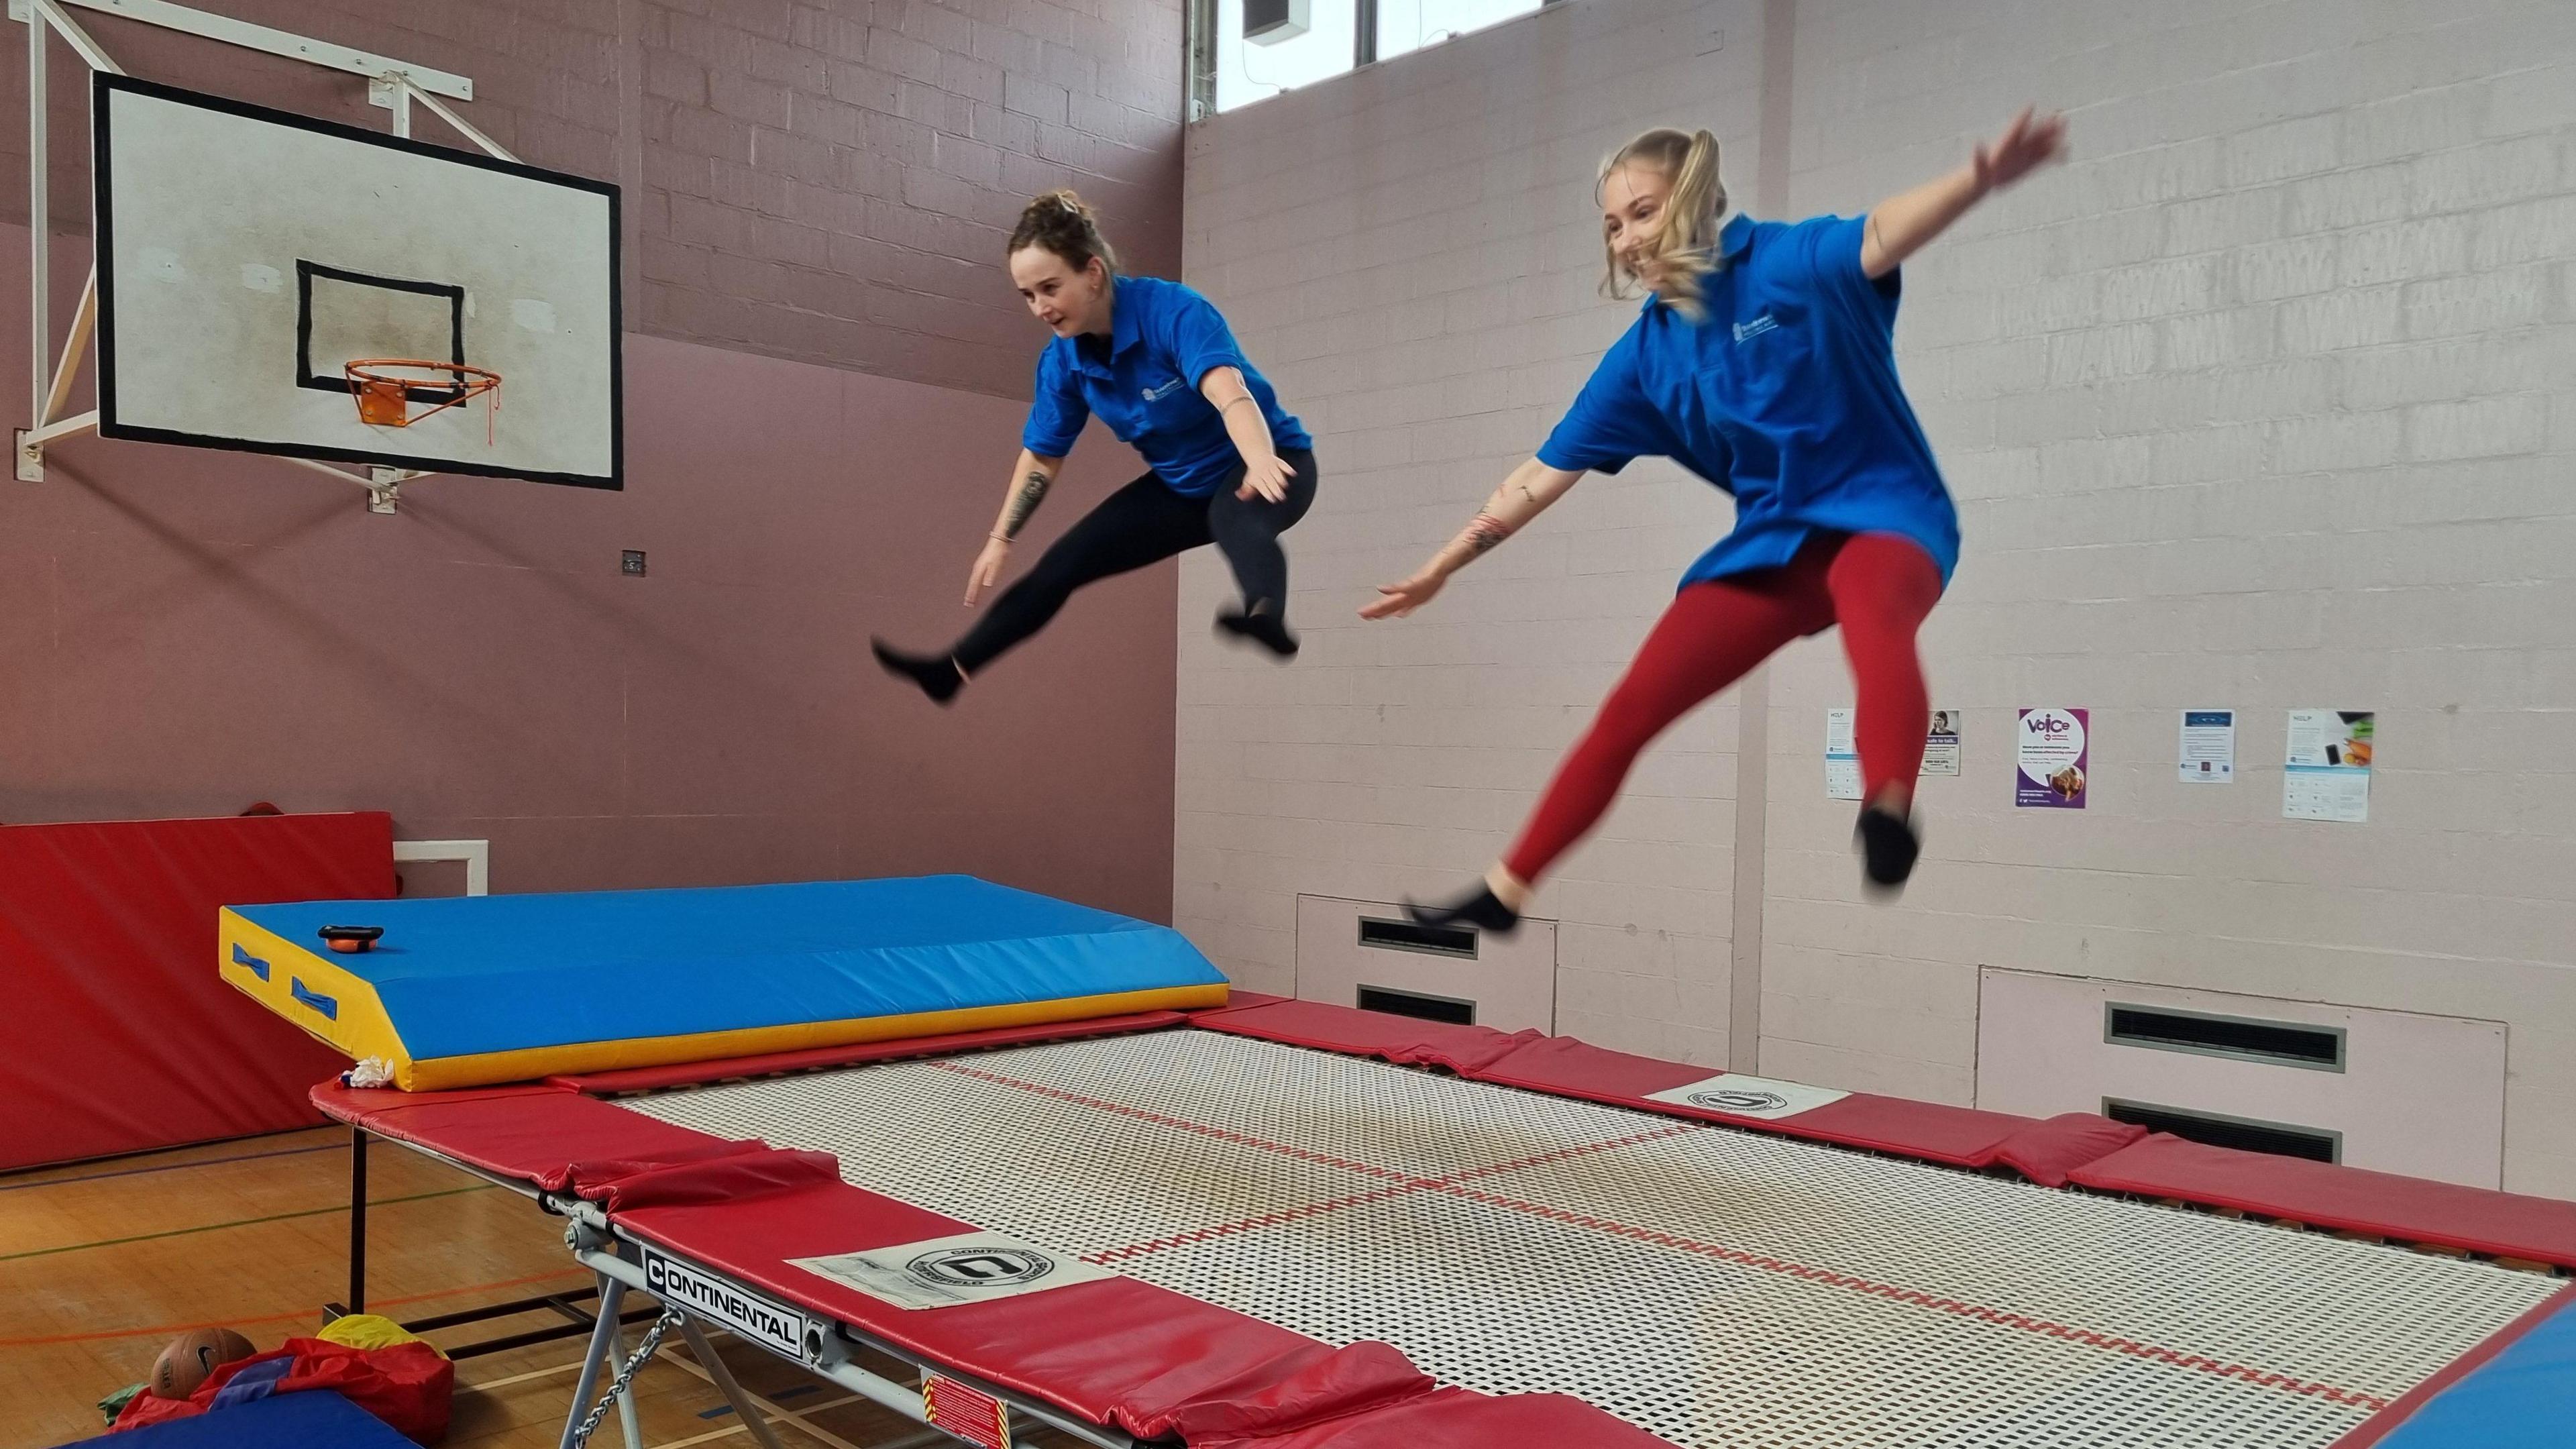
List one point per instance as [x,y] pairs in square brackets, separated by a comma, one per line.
[2054,750]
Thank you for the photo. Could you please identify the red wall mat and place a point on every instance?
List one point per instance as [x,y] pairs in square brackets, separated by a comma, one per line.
[119,1035]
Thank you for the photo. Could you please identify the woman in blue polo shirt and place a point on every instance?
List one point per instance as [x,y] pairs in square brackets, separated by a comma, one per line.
[1155,361]
[1763,361]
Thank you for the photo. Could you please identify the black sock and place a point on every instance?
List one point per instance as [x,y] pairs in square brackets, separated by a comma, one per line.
[935,673]
[1483,910]
[1262,625]
[1888,848]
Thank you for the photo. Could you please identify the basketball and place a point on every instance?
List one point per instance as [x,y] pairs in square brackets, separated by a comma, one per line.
[192,1356]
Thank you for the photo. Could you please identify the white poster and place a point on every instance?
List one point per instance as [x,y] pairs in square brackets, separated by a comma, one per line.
[947,1272]
[1941,746]
[2327,776]
[1842,757]
[1742,1096]
[2208,747]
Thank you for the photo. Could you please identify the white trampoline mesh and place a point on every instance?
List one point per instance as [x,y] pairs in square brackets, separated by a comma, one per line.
[1712,1286]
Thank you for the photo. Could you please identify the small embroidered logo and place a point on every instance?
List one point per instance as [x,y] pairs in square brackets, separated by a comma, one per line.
[1747,331]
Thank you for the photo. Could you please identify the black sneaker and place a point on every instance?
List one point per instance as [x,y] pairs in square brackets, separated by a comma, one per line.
[935,674]
[1262,627]
[1888,848]
[1483,910]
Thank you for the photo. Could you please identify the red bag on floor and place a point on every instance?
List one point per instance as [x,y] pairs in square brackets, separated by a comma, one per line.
[407,1385]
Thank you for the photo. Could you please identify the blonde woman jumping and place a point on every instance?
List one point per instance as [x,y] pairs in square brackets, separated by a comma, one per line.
[1763,360]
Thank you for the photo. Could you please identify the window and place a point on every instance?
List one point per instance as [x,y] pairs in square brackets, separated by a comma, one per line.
[1404,25]
[1228,70]
[1248,71]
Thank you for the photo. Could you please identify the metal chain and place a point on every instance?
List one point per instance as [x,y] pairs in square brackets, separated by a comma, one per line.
[626,1373]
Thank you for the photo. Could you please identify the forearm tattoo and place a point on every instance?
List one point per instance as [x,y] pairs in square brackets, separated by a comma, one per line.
[1483,534]
[1032,491]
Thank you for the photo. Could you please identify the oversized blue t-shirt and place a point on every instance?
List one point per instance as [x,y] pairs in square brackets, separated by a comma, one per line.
[1784,394]
[1143,381]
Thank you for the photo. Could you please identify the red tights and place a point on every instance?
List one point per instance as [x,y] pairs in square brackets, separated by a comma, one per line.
[1878,587]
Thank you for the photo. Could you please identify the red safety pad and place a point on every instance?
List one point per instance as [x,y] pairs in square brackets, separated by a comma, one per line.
[537,1134]
[1562,1066]
[1238,999]
[2348,1198]
[1460,1419]
[120,1036]
[2050,1151]
[1116,1351]
[770,1064]
[1400,1039]
[750,1171]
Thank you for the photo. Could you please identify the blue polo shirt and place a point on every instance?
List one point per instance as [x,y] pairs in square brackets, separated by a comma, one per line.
[1143,381]
[1784,394]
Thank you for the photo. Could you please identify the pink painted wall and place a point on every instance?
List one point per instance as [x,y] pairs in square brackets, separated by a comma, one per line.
[185,631]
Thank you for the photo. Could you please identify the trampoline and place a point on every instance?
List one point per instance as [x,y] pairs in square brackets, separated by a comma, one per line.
[1268,1224]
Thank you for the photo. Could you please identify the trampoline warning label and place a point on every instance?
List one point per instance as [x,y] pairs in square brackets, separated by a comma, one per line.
[707,1296]
[970,1414]
[1758,1097]
[945,1272]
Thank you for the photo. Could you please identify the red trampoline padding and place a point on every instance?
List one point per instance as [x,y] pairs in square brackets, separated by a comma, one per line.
[690,1074]
[1565,1067]
[2349,1198]
[1452,1418]
[534,1133]
[1404,1040]
[1238,999]
[1115,1351]
[2048,1152]
[732,1177]
[120,1036]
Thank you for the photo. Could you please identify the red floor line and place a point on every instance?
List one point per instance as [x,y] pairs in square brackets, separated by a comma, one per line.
[1405,1184]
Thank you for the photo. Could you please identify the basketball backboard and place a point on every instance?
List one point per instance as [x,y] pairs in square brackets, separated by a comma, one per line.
[246,255]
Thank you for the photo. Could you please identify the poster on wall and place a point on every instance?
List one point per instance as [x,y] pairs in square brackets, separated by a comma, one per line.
[2208,747]
[1842,757]
[2053,748]
[1941,746]
[2328,772]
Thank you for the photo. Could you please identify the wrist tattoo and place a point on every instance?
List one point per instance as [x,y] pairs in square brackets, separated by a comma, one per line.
[1032,491]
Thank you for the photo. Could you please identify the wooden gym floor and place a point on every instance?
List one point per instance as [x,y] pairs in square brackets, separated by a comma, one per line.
[103,1263]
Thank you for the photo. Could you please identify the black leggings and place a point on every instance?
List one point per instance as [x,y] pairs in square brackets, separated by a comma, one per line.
[1143,523]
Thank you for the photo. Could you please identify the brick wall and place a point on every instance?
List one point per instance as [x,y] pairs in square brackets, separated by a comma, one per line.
[831,181]
[2268,400]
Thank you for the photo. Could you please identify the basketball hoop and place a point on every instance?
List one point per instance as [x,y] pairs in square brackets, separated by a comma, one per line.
[385,389]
